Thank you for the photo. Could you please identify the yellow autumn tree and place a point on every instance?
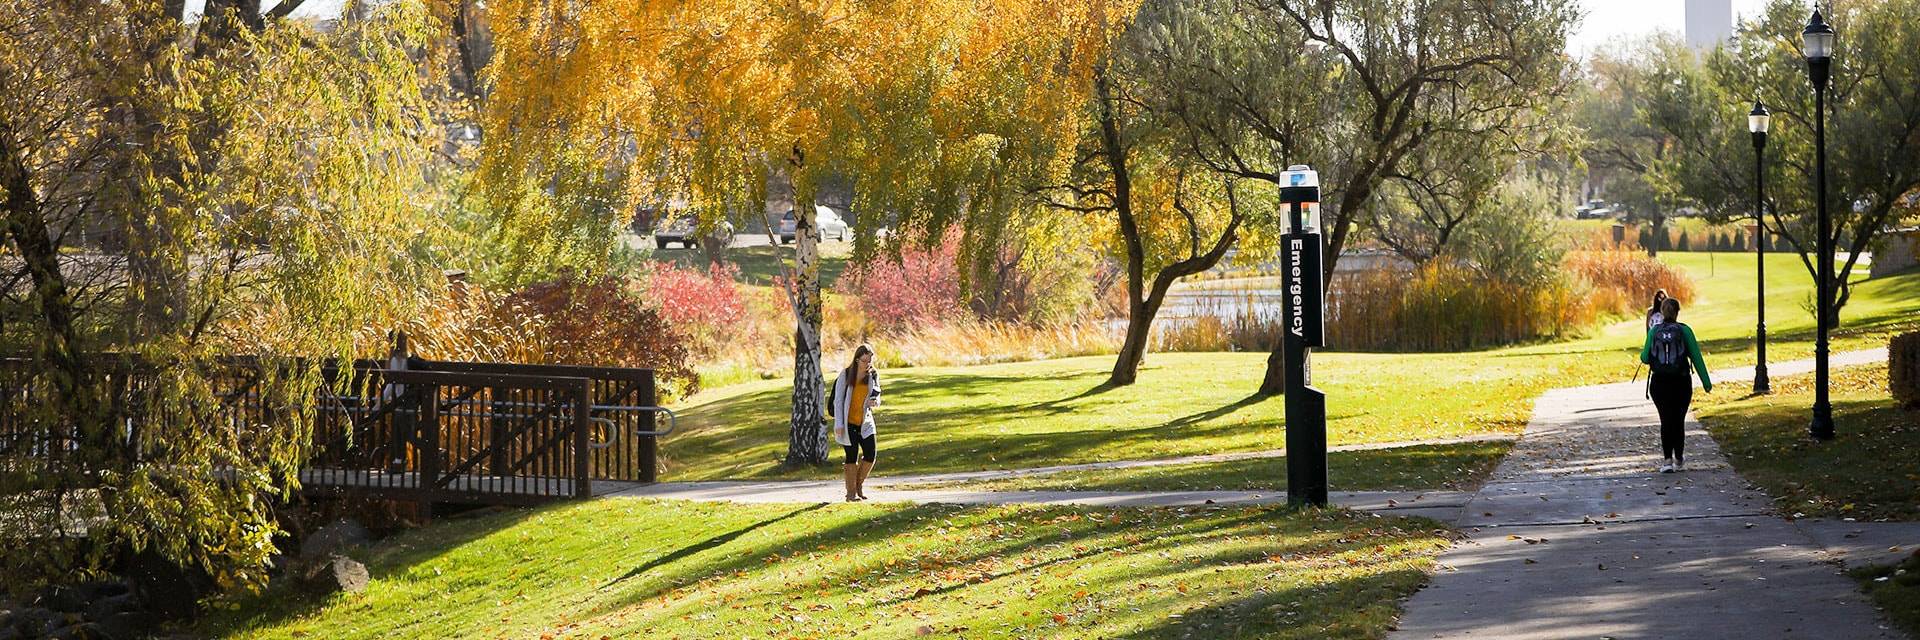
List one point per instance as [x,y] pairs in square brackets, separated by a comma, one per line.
[936,111]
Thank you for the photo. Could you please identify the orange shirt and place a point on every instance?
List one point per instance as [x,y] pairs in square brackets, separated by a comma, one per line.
[857,403]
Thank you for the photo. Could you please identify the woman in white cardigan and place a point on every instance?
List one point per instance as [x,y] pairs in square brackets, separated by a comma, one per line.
[855,394]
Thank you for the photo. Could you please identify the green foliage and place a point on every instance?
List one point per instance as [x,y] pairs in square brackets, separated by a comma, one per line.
[1516,241]
[1368,92]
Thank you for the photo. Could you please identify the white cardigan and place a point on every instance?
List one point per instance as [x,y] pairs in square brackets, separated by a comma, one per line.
[842,392]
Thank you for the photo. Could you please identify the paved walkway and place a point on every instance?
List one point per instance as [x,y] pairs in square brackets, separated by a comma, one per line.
[1577,536]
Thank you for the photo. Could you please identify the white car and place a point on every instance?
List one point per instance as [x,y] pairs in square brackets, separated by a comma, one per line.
[826,220]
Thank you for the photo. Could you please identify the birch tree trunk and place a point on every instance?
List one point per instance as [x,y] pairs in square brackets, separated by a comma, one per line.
[807,438]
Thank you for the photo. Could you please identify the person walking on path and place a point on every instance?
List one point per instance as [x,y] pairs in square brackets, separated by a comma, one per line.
[1654,313]
[855,394]
[1673,355]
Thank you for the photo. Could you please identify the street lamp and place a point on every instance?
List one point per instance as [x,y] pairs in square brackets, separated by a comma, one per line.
[1757,121]
[1818,41]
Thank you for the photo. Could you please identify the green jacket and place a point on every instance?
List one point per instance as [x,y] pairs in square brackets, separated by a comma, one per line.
[1693,353]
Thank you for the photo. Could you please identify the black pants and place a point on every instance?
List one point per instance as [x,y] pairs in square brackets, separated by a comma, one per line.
[1672,394]
[861,447]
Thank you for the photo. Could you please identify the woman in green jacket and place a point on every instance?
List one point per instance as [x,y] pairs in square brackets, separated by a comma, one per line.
[1669,350]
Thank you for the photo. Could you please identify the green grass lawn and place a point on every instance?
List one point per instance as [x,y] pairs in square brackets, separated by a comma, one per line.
[1723,316]
[1450,466]
[760,264]
[639,568]
[1868,472]
[1896,590]
[1053,412]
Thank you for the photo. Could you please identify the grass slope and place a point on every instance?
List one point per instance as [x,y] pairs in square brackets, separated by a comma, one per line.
[627,567]
[1449,466]
[1867,472]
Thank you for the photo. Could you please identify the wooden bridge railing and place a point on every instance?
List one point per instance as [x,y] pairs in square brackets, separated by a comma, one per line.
[440,432]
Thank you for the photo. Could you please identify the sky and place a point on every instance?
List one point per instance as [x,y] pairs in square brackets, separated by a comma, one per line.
[1610,20]
[1606,20]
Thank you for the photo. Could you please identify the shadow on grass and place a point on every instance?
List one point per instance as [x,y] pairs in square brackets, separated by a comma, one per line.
[890,524]
[1222,411]
[283,601]
[1060,406]
[1350,604]
[709,543]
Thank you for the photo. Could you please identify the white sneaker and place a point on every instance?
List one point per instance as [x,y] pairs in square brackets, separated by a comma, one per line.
[1666,468]
[1679,465]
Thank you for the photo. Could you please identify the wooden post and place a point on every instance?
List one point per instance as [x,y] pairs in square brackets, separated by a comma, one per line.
[497,426]
[429,397]
[582,423]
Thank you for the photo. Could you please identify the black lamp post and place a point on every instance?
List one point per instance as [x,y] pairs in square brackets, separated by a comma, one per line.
[1757,122]
[1818,41]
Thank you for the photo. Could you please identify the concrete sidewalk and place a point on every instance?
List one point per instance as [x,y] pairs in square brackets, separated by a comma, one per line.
[1578,536]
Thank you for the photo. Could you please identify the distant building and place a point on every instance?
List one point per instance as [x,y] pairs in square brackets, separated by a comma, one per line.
[1900,251]
[1709,22]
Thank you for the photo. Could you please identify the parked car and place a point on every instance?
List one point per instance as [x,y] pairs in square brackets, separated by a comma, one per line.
[826,220]
[685,231]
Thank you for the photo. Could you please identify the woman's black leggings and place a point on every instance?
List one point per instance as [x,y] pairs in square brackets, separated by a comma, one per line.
[862,447]
[1671,396]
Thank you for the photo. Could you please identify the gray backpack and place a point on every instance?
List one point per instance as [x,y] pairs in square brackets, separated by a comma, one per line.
[1670,350]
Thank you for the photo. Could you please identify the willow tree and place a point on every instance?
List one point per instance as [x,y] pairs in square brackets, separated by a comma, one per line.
[927,108]
[1357,88]
[273,172]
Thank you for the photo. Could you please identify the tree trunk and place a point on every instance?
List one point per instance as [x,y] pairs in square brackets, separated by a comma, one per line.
[1140,313]
[807,436]
[26,226]
[1275,382]
[714,248]
[1659,234]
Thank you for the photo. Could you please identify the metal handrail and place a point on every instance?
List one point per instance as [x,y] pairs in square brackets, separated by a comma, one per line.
[673,421]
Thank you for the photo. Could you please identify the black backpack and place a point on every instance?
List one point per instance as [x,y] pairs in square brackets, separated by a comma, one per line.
[1670,350]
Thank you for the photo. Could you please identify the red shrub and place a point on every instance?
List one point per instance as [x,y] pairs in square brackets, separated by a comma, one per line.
[599,321]
[922,287]
[704,306]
